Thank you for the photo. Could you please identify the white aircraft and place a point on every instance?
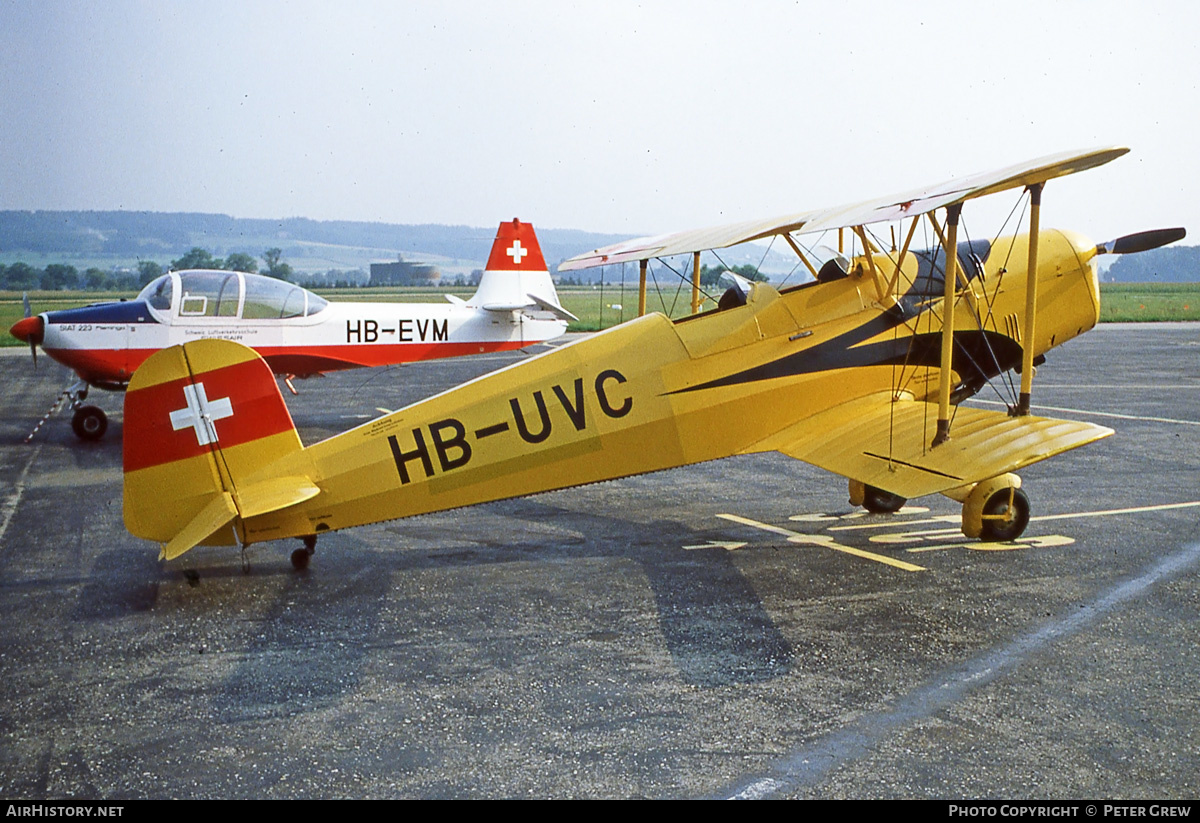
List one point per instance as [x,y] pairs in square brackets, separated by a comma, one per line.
[298,333]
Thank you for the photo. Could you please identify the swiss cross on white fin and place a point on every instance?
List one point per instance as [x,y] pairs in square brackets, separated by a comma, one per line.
[200,414]
[515,249]
[516,252]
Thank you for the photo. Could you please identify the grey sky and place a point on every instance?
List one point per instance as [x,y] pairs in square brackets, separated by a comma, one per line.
[618,116]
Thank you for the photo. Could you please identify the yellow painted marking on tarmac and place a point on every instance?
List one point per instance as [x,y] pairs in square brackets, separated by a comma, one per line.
[818,518]
[727,545]
[917,536]
[941,518]
[950,534]
[824,541]
[1040,542]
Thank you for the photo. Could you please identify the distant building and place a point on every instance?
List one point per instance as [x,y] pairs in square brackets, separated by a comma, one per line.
[404,273]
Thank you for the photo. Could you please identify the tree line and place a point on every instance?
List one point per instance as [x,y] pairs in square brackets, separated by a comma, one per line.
[22,276]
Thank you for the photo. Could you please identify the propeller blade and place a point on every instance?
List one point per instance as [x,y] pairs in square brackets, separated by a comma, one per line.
[34,334]
[1142,241]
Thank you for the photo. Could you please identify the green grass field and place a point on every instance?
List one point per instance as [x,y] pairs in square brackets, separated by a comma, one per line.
[1137,302]
[1149,302]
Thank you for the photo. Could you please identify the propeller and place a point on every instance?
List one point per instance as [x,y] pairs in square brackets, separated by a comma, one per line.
[1141,241]
[31,330]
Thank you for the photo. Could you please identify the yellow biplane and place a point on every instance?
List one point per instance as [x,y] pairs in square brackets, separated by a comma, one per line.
[858,372]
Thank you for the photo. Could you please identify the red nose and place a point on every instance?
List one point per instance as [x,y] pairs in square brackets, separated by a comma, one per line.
[29,330]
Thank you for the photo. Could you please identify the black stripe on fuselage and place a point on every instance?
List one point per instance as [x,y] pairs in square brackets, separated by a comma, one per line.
[973,355]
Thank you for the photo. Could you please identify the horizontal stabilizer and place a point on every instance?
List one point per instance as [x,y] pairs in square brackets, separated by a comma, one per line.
[500,308]
[535,303]
[555,309]
[274,494]
[263,497]
[887,445]
[219,512]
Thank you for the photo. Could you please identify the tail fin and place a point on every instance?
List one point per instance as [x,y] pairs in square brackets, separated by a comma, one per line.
[516,277]
[202,420]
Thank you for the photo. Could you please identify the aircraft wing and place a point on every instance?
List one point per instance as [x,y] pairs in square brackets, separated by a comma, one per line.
[886,444]
[686,242]
[881,210]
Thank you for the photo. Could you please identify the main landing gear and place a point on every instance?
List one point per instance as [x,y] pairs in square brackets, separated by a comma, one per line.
[995,510]
[300,557]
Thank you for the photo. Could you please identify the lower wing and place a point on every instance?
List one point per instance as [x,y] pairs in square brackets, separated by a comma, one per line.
[886,444]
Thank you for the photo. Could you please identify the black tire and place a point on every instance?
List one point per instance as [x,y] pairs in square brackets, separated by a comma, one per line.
[1013,526]
[877,501]
[89,423]
[300,559]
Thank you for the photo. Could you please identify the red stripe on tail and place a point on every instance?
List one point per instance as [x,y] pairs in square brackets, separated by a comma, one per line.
[243,403]
[516,249]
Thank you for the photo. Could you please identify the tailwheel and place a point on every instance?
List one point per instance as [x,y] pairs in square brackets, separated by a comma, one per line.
[300,557]
[1005,515]
[89,423]
[878,501]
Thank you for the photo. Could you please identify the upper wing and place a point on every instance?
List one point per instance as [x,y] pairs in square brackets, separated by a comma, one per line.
[685,242]
[881,210]
[886,444]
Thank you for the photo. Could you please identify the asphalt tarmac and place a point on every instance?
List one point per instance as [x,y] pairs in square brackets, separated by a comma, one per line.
[701,632]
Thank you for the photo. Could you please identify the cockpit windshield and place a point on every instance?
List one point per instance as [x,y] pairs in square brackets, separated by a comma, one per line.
[158,292]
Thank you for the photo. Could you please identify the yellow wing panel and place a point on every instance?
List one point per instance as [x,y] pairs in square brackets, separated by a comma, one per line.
[883,209]
[886,444]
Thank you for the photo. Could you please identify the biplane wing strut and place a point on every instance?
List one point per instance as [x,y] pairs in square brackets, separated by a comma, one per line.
[1031,291]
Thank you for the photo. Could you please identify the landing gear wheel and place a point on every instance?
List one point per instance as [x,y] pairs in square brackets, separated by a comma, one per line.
[877,501]
[89,423]
[1002,521]
[300,557]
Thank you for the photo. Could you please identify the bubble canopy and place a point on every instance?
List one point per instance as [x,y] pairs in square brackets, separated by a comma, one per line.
[204,293]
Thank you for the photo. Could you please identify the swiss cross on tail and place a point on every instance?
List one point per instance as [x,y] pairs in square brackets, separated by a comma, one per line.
[516,249]
[200,414]
[185,406]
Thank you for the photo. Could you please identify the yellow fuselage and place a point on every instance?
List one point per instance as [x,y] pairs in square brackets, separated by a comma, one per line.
[653,394]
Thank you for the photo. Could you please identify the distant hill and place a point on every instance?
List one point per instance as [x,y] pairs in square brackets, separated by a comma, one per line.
[118,239]
[308,245]
[1174,264]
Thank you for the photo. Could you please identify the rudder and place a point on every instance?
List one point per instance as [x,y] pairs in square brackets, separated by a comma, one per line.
[200,419]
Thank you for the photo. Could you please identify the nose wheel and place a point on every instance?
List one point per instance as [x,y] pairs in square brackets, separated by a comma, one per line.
[89,423]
